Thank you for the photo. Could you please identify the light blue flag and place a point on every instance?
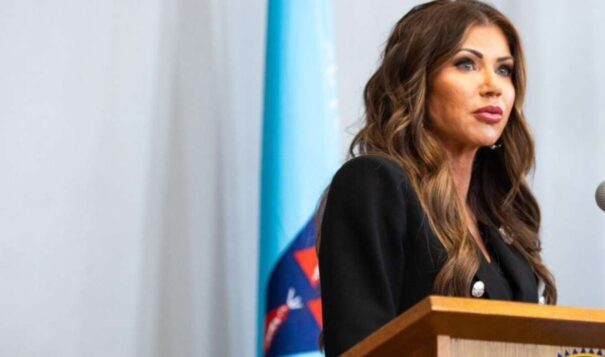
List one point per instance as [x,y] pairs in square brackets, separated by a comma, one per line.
[301,152]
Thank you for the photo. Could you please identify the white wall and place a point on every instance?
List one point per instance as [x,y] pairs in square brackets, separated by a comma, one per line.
[74,151]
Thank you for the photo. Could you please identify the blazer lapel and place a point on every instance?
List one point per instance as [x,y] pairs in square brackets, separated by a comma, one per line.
[492,281]
[520,275]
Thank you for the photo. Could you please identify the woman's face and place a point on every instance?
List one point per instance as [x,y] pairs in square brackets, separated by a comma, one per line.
[472,94]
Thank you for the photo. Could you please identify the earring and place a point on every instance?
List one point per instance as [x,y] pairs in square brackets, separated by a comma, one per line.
[497,145]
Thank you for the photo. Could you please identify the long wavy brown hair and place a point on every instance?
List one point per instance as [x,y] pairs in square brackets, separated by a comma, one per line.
[397,126]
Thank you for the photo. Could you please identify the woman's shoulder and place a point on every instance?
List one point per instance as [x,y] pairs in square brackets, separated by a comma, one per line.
[372,168]
[372,179]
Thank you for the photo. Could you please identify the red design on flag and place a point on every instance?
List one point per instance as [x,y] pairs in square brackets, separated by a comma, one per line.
[307,260]
[315,308]
[276,317]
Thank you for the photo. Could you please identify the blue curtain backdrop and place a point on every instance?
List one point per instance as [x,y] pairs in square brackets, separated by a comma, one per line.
[299,156]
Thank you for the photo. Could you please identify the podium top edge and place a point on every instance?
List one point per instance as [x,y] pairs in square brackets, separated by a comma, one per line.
[508,308]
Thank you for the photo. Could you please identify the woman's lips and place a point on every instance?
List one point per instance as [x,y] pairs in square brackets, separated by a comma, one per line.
[491,118]
[490,114]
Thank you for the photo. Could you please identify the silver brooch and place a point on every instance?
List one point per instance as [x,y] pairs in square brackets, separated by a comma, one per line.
[506,236]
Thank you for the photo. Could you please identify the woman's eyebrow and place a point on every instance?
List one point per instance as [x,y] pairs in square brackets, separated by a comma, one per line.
[480,55]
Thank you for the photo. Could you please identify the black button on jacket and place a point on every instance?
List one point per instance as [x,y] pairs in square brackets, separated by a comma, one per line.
[378,255]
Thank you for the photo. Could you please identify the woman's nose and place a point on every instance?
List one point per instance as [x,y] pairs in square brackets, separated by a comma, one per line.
[490,85]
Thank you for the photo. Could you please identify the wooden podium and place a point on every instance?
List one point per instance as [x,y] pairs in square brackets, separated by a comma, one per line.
[452,327]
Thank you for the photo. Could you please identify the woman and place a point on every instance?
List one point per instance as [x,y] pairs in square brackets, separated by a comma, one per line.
[435,200]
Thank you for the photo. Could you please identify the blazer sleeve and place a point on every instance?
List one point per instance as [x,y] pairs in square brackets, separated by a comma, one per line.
[361,254]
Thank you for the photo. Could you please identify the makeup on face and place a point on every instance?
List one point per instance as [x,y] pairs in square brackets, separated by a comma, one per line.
[472,95]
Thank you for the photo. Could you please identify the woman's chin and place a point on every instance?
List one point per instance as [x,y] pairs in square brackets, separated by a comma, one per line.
[487,141]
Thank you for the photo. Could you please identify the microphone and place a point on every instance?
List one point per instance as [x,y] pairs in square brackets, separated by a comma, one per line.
[600,196]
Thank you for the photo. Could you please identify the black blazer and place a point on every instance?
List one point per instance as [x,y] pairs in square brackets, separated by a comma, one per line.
[378,255]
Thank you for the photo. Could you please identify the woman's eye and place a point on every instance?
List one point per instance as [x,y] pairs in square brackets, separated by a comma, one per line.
[465,64]
[505,71]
